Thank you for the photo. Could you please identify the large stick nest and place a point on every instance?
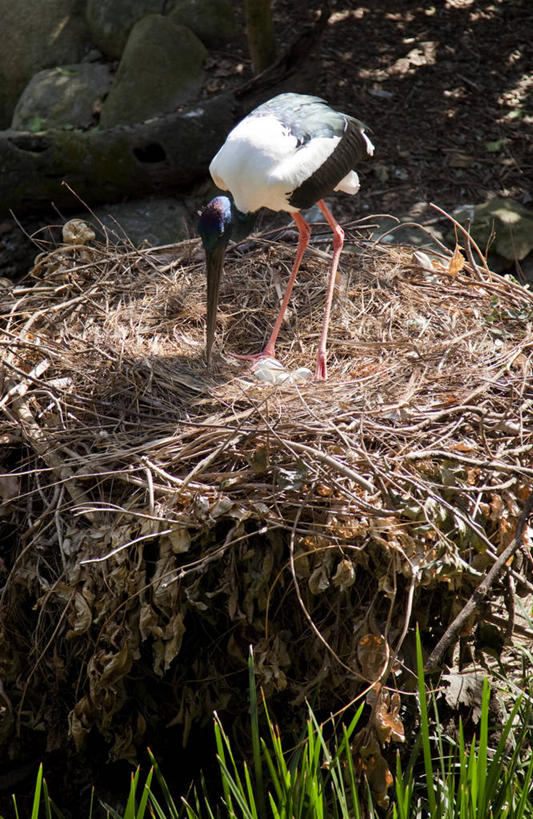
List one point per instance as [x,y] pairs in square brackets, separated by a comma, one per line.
[160,518]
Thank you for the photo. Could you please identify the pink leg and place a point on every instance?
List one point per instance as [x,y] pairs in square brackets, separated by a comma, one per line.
[303,240]
[338,241]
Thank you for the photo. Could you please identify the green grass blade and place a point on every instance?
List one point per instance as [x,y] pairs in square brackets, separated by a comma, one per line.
[283,771]
[526,797]
[424,728]
[339,767]
[143,804]
[319,758]
[161,781]
[472,777]
[441,753]
[37,793]
[403,785]
[237,792]
[348,759]
[46,800]
[156,809]
[231,782]
[190,812]
[463,789]
[482,754]
[256,745]
[343,749]
[274,778]
[129,813]
[222,761]
[250,792]
[111,812]
[205,799]
[274,808]
[315,745]
[500,759]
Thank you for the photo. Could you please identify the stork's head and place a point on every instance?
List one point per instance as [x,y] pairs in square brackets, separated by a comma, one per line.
[215,227]
[219,221]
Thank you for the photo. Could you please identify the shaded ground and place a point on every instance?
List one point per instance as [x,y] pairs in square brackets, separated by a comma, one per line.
[446,87]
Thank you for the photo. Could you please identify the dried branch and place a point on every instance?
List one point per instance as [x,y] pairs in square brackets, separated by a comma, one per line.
[451,634]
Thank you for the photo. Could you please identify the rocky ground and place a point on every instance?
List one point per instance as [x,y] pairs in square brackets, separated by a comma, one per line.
[447,89]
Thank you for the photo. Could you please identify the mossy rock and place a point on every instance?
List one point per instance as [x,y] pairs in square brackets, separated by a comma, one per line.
[505,225]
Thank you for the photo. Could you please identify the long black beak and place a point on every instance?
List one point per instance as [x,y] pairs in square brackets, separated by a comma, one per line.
[214,262]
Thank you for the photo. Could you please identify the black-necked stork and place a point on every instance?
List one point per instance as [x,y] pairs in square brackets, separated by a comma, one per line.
[286,155]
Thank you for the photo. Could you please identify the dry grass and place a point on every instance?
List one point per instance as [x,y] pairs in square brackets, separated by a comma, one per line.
[161,508]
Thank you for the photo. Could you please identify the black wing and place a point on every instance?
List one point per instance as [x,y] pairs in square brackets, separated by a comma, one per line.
[351,149]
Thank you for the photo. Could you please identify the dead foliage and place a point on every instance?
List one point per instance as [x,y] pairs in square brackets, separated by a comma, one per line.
[159,519]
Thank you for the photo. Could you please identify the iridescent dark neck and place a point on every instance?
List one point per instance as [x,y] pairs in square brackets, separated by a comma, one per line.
[243,224]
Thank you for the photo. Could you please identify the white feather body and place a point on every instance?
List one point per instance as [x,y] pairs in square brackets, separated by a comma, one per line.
[262,164]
